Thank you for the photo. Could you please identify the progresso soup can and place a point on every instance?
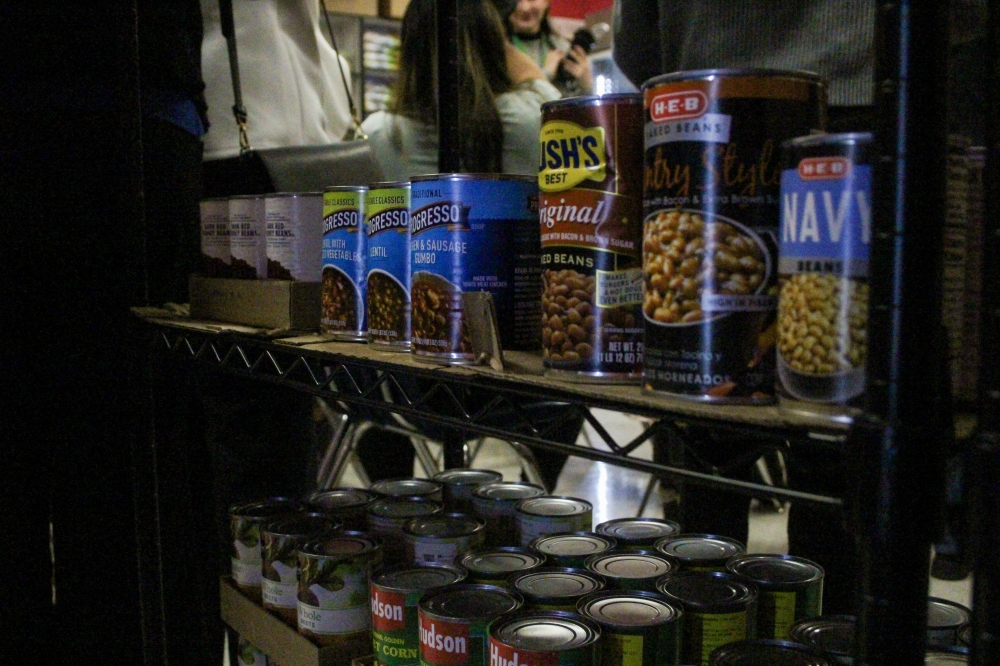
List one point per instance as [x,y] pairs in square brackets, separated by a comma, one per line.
[712,174]
[455,620]
[473,232]
[637,628]
[791,589]
[826,230]
[387,223]
[549,638]
[590,205]
[345,263]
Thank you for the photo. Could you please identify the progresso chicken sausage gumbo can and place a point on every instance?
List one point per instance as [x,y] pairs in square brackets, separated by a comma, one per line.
[712,180]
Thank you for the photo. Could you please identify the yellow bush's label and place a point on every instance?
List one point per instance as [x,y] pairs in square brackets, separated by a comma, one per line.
[570,154]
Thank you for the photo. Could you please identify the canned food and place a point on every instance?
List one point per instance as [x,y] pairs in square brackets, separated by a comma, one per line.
[944,620]
[711,217]
[791,589]
[387,517]
[553,638]
[630,571]
[768,652]
[345,266]
[245,523]
[294,236]
[537,516]
[826,183]
[347,505]
[442,538]
[719,608]
[496,565]
[458,484]
[831,634]
[700,552]
[387,211]
[953,657]
[454,622]
[637,628]
[590,207]
[281,540]
[572,549]
[496,503]
[333,595]
[214,220]
[555,588]
[248,654]
[424,489]
[395,593]
[473,232]
[965,636]
[637,533]
[247,241]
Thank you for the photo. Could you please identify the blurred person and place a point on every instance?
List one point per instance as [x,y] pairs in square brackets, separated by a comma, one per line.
[566,65]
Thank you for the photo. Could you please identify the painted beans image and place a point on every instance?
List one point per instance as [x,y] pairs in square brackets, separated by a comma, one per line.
[214,220]
[791,589]
[345,271]
[247,241]
[387,223]
[294,233]
[455,620]
[246,522]
[637,628]
[544,638]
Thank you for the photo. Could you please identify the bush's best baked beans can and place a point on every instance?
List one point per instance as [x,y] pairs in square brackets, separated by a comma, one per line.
[246,522]
[826,229]
[458,484]
[455,620]
[473,232]
[247,239]
[791,589]
[496,503]
[712,175]
[395,593]
[572,549]
[590,211]
[495,565]
[345,263]
[294,236]
[548,514]
[637,628]
[282,538]
[442,538]
[637,533]
[544,638]
[387,211]
[214,216]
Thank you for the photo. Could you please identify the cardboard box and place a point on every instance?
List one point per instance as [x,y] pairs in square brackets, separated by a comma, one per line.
[273,304]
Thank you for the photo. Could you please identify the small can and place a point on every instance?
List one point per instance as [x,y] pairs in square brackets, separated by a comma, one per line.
[248,654]
[496,503]
[552,638]
[245,523]
[791,589]
[496,565]
[247,240]
[347,505]
[455,620]
[638,533]
[395,593]
[700,552]
[345,266]
[333,598]
[282,538]
[387,223]
[637,628]
[458,485]
[946,657]
[423,489]
[473,232]
[214,220]
[944,620]
[555,588]
[294,236]
[590,210]
[718,607]
[831,634]
[572,549]
[630,571]
[442,538]
[387,517]
[768,652]
[710,203]
[826,231]
[550,514]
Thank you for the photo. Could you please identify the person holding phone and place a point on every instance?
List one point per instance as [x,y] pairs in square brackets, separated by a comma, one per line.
[565,64]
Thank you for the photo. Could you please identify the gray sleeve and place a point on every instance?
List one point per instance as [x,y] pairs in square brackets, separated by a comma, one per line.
[521,114]
[636,39]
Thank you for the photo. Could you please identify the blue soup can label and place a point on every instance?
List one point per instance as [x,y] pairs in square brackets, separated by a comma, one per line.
[345,269]
[823,268]
[387,209]
[469,233]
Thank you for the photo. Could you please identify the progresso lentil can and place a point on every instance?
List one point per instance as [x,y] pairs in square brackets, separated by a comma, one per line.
[473,232]
[247,242]
[637,533]
[496,565]
[768,652]
[496,503]
[826,234]
[246,522]
[395,593]
[347,505]
[387,223]
[637,628]
[408,488]
[590,209]
[442,538]
[831,634]
[791,589]
[281,541]
[718,607]
[544,638]
[711,219]
[458,484]
[214,218]
[387,517]
[630,571]
[455,620]
[294,236]
[345,265]
[699,552]
[550,514]
[555,588]
[572,549]
[944,620]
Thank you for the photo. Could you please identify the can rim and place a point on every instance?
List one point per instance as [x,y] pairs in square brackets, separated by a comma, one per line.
[468,560]
[312,547]
[746,593]
[473,177]
[436,593]
[591,629]
[761,647]
[610,542]
[345,188]
[586,604]
[739,548]
[813,140]
[593,562]
[805,631]
[388,185]
[291,195]
[605,529]
[380,502]
[735,72]
[277,525]
[462,476]
[954,610]
[377,577]
[737,565]
[421,487]
[580,506]
[481,491]
[583,574]
[475,525]
[592,100]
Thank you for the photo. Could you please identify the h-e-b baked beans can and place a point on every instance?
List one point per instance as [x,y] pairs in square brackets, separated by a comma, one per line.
[387,212]
[345,267]
[712,175]
[294,236]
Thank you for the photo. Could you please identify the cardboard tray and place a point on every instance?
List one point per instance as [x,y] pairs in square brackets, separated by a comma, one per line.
[272,304]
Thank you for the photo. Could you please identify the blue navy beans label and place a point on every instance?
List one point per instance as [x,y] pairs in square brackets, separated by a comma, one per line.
[388,229]
[345,269]
[469,234]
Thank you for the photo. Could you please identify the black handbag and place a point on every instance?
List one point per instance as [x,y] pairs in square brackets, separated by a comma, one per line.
[292,168]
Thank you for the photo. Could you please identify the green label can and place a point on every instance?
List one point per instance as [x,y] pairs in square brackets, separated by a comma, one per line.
[246,522]
[637,533]
[791,589]
[387,211]
[458,485]
[637,628]
[544,638]
[455,620]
